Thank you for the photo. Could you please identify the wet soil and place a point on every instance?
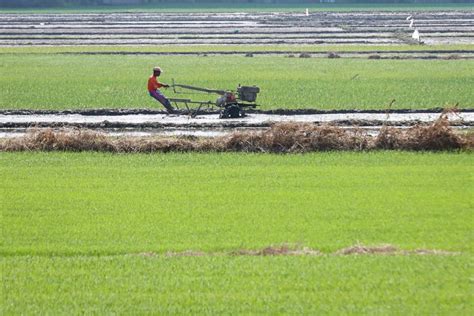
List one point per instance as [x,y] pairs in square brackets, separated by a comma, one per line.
[159,120]
[142,123]
[280,111]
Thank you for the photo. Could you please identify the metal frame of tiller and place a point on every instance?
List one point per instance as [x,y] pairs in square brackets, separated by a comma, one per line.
[231,103]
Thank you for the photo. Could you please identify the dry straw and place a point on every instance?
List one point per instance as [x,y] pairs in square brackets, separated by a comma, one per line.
[280,138]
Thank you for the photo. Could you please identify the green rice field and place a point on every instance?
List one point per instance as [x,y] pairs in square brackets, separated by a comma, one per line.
[89,232]
[186,233]
[244,285]
[118,81]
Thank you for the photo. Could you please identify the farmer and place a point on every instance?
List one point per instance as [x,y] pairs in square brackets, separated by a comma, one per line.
[154,85]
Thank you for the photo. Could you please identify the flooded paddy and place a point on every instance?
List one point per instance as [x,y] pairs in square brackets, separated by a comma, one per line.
[209,125]
[372,28]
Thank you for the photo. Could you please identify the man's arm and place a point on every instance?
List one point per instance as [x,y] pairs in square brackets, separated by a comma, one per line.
[161,84]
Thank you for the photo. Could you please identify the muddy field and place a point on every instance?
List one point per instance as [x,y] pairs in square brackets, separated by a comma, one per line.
[150,123]
[453,27]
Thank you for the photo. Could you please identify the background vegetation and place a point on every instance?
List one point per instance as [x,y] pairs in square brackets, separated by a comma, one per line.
[190,3]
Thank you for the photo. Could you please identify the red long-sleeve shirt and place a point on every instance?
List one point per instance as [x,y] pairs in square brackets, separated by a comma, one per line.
[153,84]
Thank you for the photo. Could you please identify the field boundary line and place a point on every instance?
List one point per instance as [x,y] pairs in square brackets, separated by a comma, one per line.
[270,251]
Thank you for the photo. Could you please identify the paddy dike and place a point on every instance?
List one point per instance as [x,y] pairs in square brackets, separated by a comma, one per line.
[283,137]
[369,28]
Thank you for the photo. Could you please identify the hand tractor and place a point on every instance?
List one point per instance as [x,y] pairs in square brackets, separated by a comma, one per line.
[232,104]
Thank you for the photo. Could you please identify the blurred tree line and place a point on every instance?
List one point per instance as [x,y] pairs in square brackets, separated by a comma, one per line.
[63,3]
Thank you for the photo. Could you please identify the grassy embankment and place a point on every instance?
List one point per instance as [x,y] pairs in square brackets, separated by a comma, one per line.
[230,7]
[115,81]
[74,225]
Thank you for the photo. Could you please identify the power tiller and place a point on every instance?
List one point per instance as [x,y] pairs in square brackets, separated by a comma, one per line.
[232,104]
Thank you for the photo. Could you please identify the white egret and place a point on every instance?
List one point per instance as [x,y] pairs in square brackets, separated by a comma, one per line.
[416,35]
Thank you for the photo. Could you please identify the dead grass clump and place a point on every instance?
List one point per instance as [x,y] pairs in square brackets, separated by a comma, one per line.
[434,252]
[333,55]
[391,250]
[87,140]
[281,250]
[186,253]
[364,250]
[374,56]
[65,140]
[147,254]
[452,57]
[131,145]
[468,139]
[437,136]
[298,138]
[305,55]
[389,138]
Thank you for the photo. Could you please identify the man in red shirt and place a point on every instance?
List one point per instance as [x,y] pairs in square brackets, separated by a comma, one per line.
[153,89]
